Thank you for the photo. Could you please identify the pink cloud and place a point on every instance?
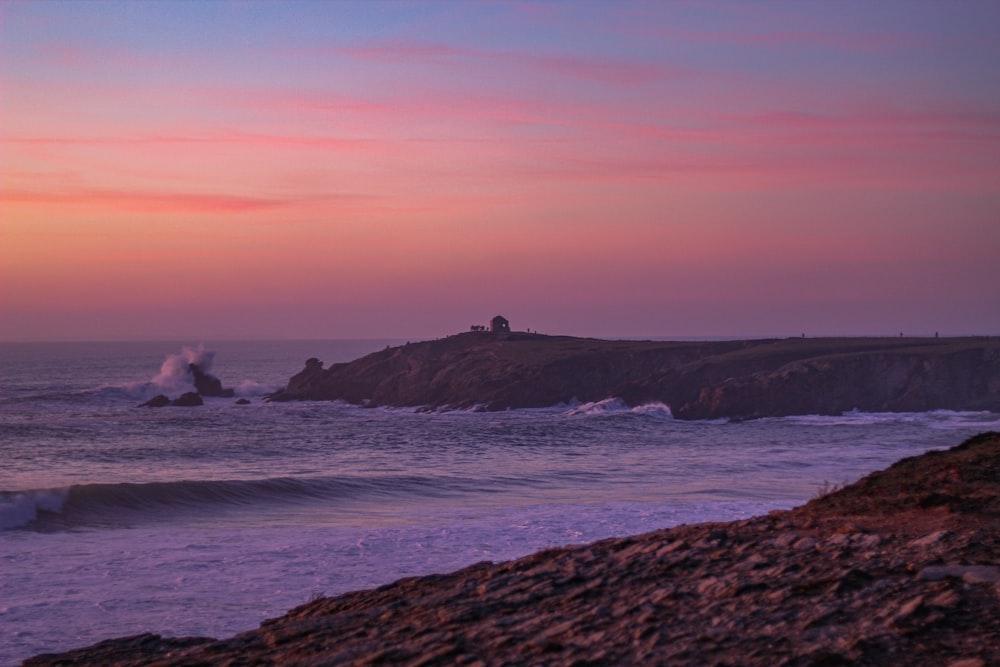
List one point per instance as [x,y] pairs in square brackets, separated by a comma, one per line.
[152,202]
[864,43]
[967,120]
[600,69]
[393,52]
[221,138]
[858,42]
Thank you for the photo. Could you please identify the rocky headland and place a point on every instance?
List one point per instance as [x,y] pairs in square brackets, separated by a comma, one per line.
[899,568]
[741,379]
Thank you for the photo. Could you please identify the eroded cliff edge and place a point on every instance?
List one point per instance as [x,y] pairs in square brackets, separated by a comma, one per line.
[697,380]
[900,568]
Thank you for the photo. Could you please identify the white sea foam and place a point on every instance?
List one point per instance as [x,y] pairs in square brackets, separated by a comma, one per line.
[20,509]
[250,388]
[606,406]
[654,409]
[938,419]
[175,377]
[614,405]
[175,374]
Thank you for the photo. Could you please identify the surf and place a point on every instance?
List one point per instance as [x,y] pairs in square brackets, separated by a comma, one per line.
[125,505]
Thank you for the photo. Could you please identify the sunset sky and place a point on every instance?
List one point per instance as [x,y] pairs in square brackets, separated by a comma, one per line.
[207,170]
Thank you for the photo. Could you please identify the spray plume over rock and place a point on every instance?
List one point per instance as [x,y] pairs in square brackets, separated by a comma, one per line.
[187,373]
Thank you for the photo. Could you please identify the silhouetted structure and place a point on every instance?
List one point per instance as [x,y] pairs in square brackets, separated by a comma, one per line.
[499,324]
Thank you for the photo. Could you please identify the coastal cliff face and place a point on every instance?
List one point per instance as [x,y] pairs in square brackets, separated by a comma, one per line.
[697,380]
[900,568]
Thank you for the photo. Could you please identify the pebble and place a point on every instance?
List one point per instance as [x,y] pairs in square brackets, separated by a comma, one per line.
[805,544]
[946,599]
[786,540]
[929,540]
[968,662]
[970,574]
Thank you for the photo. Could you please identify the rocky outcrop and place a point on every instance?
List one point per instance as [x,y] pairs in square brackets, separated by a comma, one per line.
[698,380]
[208,385]
[900,568]
[205,384]
[188,399]
[158,401]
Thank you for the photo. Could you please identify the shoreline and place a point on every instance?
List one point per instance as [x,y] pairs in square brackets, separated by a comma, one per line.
[900,567]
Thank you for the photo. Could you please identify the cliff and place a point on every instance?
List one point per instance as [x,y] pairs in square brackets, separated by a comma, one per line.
[698,380]
[901,568]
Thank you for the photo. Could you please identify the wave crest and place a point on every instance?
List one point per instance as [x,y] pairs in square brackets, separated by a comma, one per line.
[614,405]
[22,508]
[937,419]
[127,504]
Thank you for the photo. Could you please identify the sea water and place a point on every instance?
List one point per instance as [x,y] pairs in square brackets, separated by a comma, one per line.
[117,520]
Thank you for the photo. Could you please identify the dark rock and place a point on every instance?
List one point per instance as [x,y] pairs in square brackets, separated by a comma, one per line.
[242,401]
[187,400]
[116,650]
[157,401]
[697,380]
[207,384]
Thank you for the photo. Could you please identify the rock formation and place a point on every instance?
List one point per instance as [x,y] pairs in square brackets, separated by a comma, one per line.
[158,401]
[205,384]
[901,568]
[698,380]
[188,400]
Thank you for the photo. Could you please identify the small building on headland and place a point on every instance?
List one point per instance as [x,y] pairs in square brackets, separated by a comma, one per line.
[499,324]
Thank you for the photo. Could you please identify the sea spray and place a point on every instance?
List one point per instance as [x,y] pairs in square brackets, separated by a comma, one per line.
[613,406]
[21,508]
[175,376]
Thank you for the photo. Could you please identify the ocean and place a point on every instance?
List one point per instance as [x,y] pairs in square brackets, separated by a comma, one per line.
[117,520]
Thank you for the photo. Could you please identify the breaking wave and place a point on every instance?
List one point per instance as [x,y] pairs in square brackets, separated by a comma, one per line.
[175,376]
[20,509]
[938,419]
[614,406]
[129,504]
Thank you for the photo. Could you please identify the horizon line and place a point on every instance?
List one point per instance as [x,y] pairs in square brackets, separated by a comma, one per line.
[415,339]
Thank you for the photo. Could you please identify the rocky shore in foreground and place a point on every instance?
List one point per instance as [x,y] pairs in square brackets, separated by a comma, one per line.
[742,379]
[900,568]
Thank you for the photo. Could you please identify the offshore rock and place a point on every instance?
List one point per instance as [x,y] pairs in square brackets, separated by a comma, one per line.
[697,380]
[188,400]
[899,568]
[207,384]
[158,401]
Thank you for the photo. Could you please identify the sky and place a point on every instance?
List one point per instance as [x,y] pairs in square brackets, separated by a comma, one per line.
[213,170]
